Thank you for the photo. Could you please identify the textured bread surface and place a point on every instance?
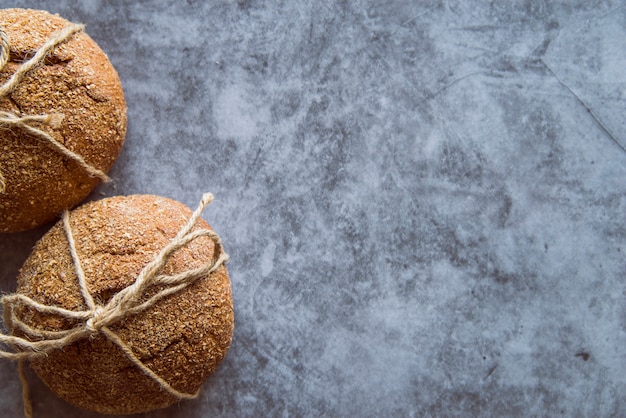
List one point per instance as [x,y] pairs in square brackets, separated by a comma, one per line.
[76,80]
[182,338]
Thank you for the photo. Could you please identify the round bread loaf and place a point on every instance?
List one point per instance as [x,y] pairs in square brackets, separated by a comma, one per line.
[78,85]
[182,338]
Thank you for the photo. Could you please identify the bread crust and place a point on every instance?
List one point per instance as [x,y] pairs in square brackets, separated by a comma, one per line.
[182,339]
[76,80]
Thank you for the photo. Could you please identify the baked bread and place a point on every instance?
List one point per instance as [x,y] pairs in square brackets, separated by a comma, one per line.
[79,88]
[182,338]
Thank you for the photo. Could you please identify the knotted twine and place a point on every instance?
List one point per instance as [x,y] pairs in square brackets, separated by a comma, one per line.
[28,123]
[97,319]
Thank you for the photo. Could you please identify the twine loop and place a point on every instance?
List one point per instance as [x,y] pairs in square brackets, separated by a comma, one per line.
[28,123]
[97,319]
[93,324]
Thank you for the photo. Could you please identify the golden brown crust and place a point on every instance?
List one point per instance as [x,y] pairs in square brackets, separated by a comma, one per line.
[183,338]
[76,80]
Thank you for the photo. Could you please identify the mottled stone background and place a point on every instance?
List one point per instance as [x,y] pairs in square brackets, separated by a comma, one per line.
[424,201]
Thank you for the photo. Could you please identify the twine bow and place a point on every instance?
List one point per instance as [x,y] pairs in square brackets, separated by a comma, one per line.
[28,123]
[97,319]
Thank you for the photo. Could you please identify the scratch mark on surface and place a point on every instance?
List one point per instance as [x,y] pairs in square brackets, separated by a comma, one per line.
[610,12]
[453,82]
[491,371]
[414,18]
[593,115]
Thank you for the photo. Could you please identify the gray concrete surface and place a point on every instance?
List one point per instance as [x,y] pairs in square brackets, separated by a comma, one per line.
[424,202]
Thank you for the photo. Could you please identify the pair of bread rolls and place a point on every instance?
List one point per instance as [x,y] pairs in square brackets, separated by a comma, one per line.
[181,338]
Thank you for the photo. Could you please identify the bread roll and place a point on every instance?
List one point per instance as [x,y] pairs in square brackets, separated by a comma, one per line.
[182,338]
[76,83]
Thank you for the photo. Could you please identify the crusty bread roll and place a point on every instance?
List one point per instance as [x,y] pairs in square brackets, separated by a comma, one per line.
[182,338]
[77,81]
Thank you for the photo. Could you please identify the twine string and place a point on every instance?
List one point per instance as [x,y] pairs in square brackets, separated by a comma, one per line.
[28,123]
[97,319]
[5,47]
